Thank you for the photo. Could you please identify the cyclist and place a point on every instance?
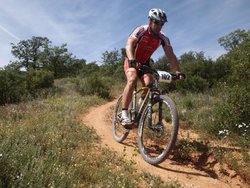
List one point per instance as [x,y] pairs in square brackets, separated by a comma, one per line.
[141,44]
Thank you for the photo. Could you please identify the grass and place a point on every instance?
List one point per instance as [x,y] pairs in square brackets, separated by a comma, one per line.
[43,144]
[155,181]
[38,140]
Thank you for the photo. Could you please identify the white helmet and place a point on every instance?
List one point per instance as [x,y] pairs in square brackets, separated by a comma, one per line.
[157,14]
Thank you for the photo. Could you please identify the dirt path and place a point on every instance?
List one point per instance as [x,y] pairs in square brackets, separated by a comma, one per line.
[100,119]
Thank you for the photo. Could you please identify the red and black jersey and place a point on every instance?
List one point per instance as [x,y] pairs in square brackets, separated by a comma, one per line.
[147,42]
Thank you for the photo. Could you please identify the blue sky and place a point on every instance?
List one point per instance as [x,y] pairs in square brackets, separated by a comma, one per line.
[91,27]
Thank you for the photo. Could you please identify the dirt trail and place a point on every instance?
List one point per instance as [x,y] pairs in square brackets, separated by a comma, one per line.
[100,119]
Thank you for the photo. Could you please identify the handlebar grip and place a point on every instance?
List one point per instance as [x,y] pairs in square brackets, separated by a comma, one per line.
[181,74]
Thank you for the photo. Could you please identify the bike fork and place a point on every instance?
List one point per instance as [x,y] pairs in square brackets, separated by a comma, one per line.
[150,111]
[160,112]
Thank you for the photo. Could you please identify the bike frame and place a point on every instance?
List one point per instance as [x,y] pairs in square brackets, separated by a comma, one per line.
[152,92]
[151,110]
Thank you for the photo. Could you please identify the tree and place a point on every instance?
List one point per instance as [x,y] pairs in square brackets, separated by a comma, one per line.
[238,57]
[55,59]
[162,64]
[234,39]
[89,69]
[198,69]
[27,51]
[192,56]
[110,61]
[76,66]
[39,54]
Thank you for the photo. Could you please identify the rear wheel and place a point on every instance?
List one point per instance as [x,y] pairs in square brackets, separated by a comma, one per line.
[118,131]
[156,142]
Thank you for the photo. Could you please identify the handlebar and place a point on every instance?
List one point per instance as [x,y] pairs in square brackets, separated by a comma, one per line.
[156,74]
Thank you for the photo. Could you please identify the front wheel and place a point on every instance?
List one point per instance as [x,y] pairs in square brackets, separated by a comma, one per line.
[157,138]
[118,131]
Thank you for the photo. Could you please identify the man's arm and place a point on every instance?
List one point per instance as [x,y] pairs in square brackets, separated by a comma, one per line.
[172,58]
[130,48]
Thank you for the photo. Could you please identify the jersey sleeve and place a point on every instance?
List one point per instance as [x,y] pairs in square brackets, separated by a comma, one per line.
[138,32]
[164,40]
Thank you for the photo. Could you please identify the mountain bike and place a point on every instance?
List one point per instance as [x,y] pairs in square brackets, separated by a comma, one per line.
[156,118]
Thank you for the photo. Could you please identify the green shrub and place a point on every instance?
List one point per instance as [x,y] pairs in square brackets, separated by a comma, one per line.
[231,115]
[93,85]
[193,84]
[39,79]
[16,86]
[12,86]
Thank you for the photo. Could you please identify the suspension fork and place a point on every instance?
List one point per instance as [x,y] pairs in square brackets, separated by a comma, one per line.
[150,110]
[160,112]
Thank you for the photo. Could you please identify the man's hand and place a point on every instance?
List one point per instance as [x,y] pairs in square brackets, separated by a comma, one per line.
[180,75]
[133,64]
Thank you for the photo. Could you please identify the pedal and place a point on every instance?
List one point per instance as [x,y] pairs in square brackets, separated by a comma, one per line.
[128,126]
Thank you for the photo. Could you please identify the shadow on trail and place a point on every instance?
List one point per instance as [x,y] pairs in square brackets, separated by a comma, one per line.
[181,171]
[186,153]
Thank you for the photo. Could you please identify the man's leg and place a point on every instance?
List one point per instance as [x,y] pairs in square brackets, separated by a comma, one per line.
[146,80]
[131,75]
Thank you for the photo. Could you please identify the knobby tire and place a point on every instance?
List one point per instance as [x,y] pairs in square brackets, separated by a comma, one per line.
[118,131]
[154,147]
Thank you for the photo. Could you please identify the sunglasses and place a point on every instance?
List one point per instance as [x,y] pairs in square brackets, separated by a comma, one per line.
[158,22]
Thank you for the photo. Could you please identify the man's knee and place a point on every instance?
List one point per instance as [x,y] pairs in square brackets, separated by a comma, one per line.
[147,79]
[132,79]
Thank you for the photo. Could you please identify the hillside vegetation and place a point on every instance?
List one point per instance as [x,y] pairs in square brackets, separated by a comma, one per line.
[42,143]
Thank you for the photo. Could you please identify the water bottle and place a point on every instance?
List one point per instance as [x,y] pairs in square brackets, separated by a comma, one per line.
[164,76]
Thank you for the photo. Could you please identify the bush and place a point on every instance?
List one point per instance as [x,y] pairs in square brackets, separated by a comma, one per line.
[193,84]
[16,86]
[232,115]
[39,79]
[93,85]
[12,86]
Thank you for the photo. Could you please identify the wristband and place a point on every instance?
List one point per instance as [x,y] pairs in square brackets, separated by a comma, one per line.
[133,63]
